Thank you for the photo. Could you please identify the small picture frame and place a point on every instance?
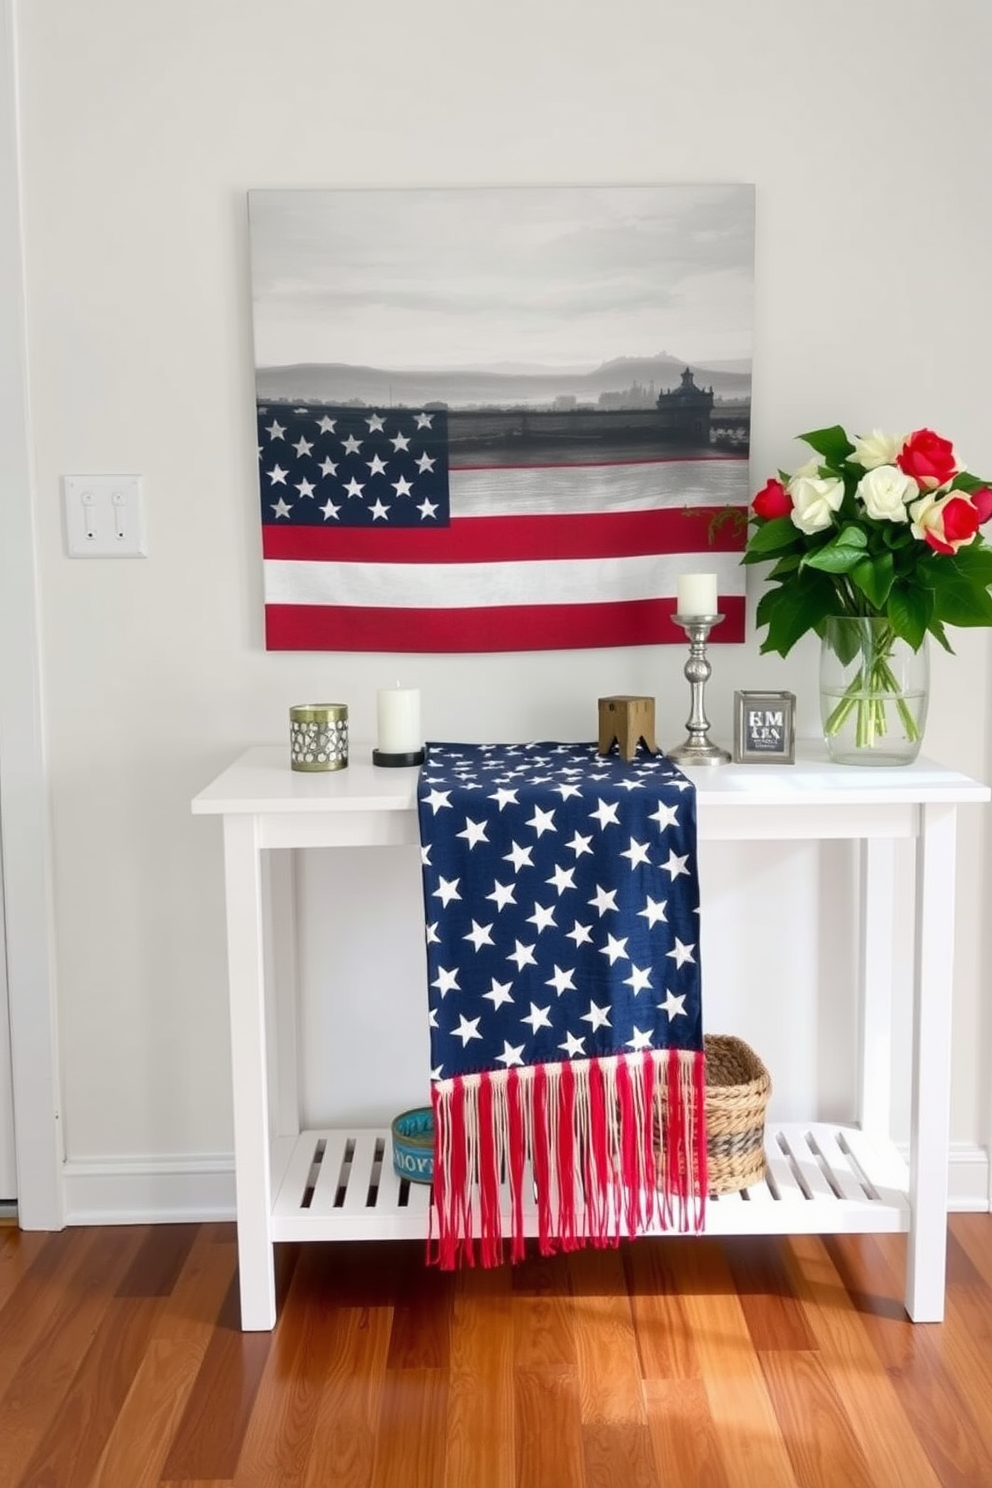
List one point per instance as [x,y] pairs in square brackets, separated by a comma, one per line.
[764,728]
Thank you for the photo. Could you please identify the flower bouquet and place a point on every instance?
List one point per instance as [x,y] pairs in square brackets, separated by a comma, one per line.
[884,530]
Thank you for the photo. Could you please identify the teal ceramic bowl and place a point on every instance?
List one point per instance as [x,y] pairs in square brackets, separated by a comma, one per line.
[413,1145]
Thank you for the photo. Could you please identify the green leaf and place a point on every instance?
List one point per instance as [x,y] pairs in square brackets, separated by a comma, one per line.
[926,571]
[833,444]
[897,535]
[770,538]
[793,609]
[965,481]
[957,601]
[873,576]
[765,611]
[853,537]
[909,610]
[833,559]
[787,565]
[973,563]
[841,554]
[845,641]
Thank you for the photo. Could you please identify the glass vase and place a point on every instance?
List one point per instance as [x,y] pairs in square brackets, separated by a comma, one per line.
[874,690]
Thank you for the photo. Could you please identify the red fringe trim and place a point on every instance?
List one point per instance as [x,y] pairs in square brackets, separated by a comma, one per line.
[581,1153]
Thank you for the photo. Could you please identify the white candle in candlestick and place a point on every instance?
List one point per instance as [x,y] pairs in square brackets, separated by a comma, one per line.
[398,711]
[696,594]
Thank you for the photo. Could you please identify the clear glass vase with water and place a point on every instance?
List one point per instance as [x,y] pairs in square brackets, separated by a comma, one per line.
[874,691]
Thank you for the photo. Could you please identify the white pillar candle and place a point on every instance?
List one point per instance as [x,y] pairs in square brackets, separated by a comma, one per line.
[398,711]
[696,594]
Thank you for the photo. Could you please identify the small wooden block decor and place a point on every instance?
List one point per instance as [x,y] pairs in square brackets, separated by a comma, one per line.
[628,720]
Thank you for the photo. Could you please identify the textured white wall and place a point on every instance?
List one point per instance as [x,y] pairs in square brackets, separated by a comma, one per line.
[145,123]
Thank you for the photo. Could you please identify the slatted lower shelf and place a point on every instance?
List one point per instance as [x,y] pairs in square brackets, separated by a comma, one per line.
[821,1179]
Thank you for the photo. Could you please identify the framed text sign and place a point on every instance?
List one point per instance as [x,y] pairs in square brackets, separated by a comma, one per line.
[764,728]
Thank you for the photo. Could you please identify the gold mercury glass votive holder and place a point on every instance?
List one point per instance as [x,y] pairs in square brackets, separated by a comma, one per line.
[318,736]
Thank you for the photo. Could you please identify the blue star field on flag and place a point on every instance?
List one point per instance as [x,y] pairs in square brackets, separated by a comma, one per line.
[341,466]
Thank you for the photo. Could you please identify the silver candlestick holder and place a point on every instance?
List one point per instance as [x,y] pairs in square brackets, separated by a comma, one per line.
[697,748]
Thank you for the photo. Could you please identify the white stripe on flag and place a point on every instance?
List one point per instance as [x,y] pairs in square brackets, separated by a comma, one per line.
[515,490]
[580,581]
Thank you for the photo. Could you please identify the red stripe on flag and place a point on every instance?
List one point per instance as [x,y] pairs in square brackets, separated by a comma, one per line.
[508,539]
[507,628]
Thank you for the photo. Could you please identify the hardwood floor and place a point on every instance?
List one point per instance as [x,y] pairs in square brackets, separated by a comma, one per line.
[673,1363]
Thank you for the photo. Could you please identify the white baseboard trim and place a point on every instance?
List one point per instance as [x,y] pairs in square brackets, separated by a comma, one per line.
[969,1179]
[190,1190]
[149,1190]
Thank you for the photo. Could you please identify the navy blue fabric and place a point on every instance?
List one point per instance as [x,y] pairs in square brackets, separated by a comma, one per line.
[562,901]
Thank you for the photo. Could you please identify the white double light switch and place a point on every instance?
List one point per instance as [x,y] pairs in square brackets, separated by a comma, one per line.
[104,516]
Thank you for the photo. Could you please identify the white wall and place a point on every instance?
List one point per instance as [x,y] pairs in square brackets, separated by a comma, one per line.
[24,815]
[8,1160]
[145,122]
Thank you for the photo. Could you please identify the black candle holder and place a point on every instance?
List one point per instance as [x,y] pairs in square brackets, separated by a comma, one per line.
[397,761]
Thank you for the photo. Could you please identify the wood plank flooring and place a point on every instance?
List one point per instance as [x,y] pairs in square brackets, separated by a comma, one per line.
[670,1363]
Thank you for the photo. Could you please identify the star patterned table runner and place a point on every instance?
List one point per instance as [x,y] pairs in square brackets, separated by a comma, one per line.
[562,905]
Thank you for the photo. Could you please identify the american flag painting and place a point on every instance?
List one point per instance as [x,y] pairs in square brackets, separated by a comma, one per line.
[462,445]
[562,912]
[373,540]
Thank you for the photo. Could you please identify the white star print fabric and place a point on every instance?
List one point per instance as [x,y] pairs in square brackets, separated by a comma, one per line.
[562,905]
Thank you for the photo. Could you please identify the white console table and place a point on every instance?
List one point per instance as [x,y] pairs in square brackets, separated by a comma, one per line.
[822,1178]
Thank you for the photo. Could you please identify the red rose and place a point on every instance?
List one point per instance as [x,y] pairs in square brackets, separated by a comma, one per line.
[948,523]
[983,503]
[773,500]
[928,458]
[960,521]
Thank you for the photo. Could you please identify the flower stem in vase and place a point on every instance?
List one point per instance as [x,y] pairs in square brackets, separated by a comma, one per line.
[876,704]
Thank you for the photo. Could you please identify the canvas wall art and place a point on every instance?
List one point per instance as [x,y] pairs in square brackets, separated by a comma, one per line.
[500,419]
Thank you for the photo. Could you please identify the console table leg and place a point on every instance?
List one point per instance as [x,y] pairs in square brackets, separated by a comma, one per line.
[931,1064]
[878,900]
[246,980]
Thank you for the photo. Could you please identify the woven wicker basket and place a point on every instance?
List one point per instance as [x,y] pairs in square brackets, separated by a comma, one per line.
[737,1091]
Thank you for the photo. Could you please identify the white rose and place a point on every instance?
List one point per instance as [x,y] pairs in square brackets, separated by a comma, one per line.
[885,492]
[814,501]
[877,448]
[924,513]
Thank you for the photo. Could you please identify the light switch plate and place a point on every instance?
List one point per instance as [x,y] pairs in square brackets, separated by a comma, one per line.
[104,516]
